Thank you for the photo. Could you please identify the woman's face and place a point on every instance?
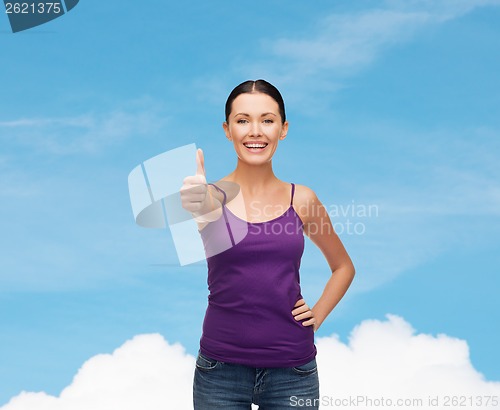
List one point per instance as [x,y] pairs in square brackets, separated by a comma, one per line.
[254,126]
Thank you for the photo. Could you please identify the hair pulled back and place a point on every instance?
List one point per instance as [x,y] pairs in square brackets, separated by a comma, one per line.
[256,86]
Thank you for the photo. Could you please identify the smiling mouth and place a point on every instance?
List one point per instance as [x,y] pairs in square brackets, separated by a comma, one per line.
[255,146]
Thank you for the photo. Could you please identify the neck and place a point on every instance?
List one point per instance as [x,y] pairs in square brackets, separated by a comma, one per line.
[253,178]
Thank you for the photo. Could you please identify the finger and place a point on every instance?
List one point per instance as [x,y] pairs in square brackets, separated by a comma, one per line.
[200,162]
[300,302]
[194,180]
[193,207]
[300,309]
[193,189]
[310,322]
[305,315]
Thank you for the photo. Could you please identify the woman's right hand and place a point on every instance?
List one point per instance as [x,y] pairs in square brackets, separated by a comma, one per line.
[194,189]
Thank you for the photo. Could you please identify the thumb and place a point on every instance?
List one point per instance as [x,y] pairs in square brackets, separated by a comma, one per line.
[200,162]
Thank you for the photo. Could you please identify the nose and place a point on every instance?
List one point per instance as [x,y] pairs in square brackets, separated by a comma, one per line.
[255,130]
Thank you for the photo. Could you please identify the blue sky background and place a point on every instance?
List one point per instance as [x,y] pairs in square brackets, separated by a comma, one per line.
[393,104]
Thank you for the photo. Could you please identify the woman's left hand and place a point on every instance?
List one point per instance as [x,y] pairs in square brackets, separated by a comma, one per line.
[302,311]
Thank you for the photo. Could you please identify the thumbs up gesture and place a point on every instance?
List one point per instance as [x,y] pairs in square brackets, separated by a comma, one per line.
[194,189]
[197,198]
[200,163]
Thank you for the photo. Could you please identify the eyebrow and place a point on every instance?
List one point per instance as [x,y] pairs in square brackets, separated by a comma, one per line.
[248,115]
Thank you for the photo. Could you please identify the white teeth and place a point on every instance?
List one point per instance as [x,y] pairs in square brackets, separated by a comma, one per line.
[255,145]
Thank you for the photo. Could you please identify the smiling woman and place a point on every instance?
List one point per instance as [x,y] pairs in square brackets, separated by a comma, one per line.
[255,126]
[257,344]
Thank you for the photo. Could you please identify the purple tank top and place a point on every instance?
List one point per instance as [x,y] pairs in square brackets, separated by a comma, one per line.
[254,286]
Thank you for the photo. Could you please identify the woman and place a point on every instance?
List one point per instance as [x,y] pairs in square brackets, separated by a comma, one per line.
[258,334]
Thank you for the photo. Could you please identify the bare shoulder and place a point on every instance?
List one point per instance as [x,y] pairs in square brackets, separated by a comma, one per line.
[305,203]
[304,196]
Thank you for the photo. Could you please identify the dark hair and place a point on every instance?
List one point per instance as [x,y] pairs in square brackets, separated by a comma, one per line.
[258,86]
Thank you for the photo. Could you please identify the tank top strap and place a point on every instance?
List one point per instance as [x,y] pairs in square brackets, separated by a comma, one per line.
[228,226]
[293,192]
[223,193]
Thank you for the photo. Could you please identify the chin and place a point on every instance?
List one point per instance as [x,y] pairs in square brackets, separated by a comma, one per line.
[254,160]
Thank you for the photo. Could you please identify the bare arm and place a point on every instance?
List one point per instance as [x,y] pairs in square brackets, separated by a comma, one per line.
[318,227]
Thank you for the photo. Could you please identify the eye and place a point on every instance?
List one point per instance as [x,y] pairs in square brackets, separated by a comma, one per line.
[268,121]
[242,121]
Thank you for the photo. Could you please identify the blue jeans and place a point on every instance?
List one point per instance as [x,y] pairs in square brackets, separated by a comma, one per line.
[221,385]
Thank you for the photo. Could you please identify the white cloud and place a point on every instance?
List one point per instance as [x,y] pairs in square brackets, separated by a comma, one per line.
[441,9]
[351,40]
[84,133]
[382,359]
[343,43]
[312,65]
[389,359]
[145,373]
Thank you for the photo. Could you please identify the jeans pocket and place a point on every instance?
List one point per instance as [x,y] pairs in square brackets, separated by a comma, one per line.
[205,363]
[306,369]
